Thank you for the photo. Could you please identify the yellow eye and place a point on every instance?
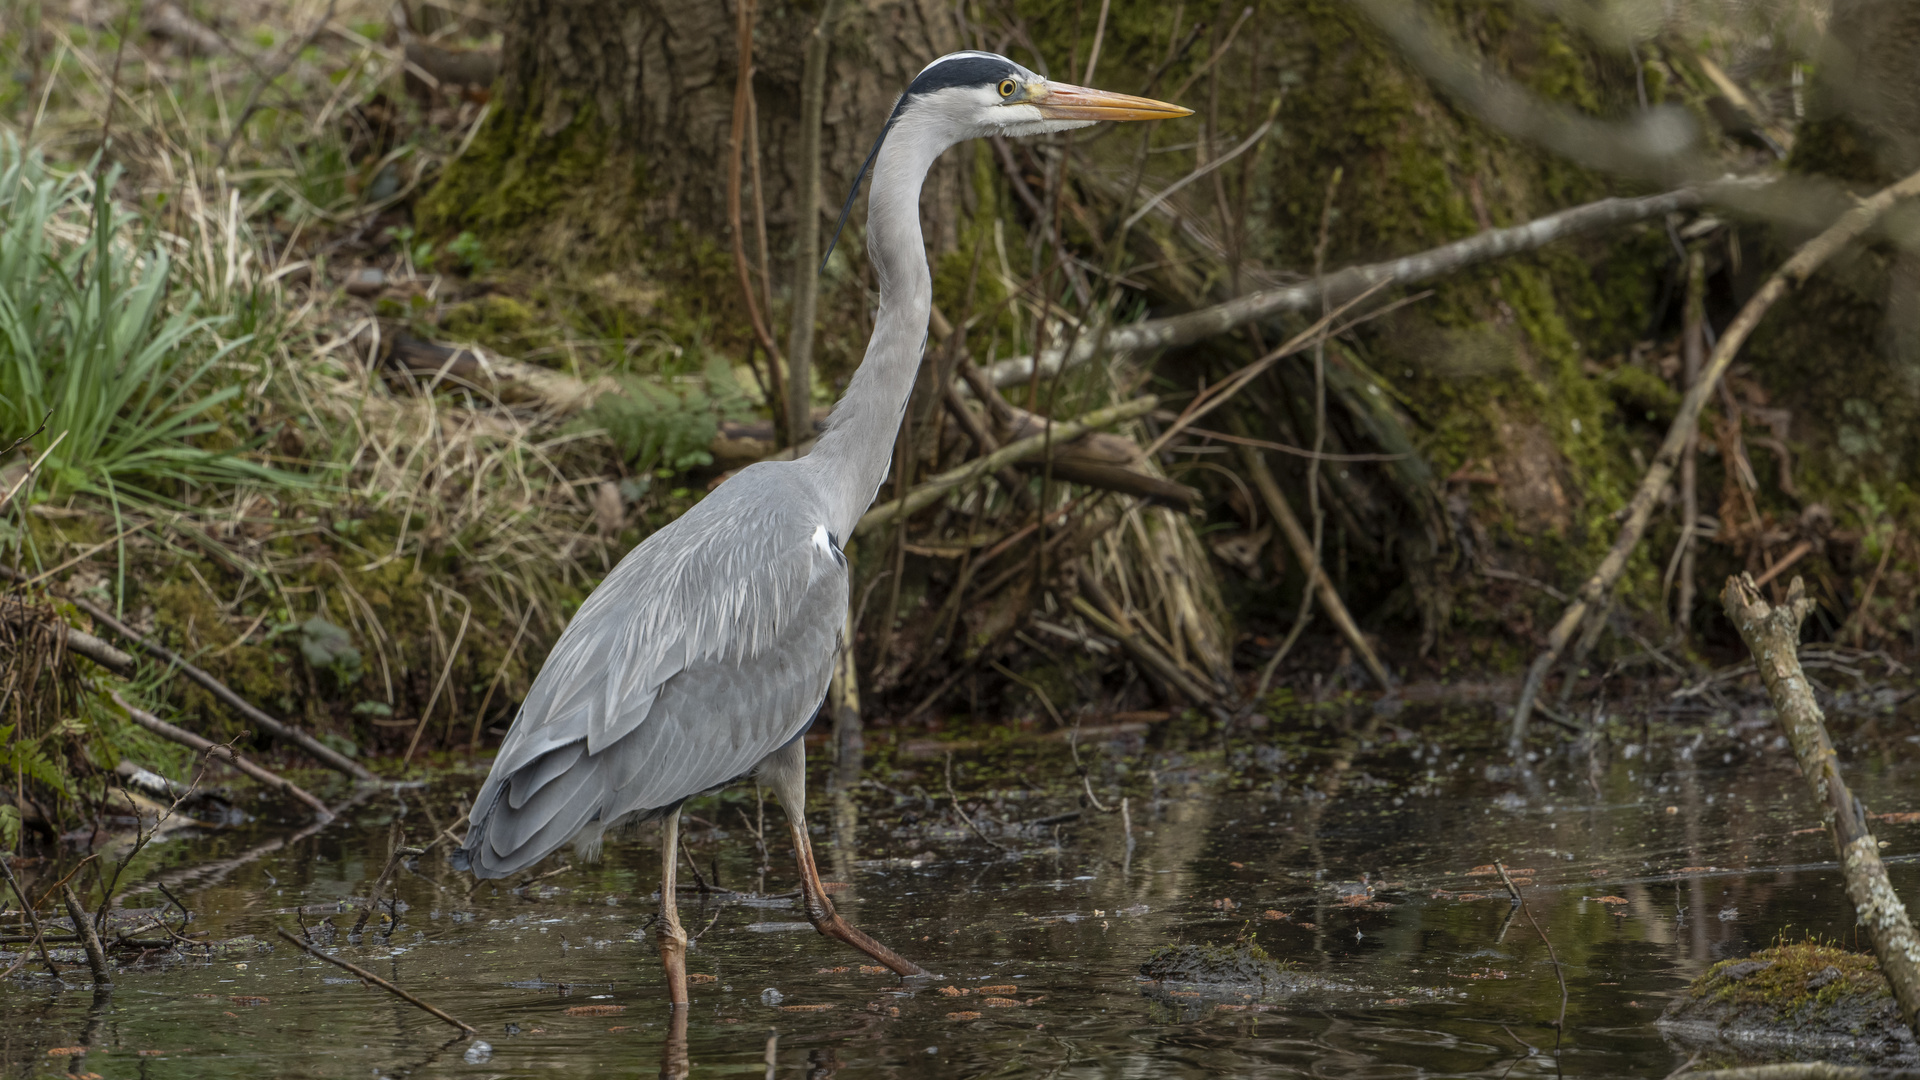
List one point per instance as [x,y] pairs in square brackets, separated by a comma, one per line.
[1007,87]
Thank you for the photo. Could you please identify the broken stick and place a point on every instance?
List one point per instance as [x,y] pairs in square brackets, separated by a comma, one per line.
[370,977]
[225,753]
[1773,635]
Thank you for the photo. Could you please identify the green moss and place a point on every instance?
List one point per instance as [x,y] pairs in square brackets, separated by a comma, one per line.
[524,190]
[1792,981]
[1639,392]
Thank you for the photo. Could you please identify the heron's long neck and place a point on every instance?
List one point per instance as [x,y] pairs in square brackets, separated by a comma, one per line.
[854,454]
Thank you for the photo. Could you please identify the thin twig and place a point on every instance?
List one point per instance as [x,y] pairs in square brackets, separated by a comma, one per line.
[264,80]
[958,809]
[28,475]
[33,920]
[398,839]
[446,671]
[1560,1022]
[368,976]
[742,91]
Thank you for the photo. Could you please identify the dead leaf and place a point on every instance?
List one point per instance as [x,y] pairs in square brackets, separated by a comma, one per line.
[1306,926]
[1276,915]
[620,1027]
[1394,1001]
[1238,865]
[874,969]
[65,1051]
[1224,904]
[955,991]
[246,999]
[1001,1003]
[805,1008]
[832,971]
[596,1010]
[963,1016]
[1612,899]
[702,978]
[997,991]
[1901,817]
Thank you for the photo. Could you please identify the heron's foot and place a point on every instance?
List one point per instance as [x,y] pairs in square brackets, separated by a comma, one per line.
[832,925]
[673,957]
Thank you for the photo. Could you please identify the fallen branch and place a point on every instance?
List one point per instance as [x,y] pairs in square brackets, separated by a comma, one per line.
[370,977]
[1686,423]
[326,755]
[89,939]
[1302,546]
[225,753]
[928,493]
[1164,667]
[1802,1070]
[1342,286]
[1772,634]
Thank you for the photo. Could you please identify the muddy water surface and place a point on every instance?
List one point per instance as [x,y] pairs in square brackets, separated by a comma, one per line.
[1346,852]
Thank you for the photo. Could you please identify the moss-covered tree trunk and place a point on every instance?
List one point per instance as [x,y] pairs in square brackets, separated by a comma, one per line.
[611,125]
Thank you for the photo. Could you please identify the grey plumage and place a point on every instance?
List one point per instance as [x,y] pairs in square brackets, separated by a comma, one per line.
[705,654]
[708,648]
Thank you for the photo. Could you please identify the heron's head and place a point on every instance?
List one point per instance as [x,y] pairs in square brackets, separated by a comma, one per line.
[971,95]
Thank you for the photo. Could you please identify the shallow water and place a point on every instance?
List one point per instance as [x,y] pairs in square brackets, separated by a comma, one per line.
[1429,981]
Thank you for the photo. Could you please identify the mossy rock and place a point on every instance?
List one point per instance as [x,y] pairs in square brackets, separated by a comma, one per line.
[1796,1000]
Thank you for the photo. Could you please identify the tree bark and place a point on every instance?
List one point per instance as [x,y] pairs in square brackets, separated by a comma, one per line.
[610,124]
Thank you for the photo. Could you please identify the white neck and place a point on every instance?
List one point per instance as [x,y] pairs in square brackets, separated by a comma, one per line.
[854,455]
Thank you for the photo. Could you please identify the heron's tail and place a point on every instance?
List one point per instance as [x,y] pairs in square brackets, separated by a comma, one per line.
[529,813]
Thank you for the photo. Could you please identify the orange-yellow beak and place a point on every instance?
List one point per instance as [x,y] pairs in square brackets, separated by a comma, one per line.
[1061,101]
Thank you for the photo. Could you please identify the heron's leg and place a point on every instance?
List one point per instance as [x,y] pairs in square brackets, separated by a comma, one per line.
[785,771]
[673,939]
[673,1053]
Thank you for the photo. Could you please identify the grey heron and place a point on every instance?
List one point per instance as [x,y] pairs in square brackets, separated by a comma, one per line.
[704,655]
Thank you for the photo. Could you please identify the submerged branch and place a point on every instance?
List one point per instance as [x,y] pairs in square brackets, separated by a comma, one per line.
[1773,635]
[370,977]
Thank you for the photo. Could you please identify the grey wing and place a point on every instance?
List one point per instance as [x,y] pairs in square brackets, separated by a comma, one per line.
[706,649]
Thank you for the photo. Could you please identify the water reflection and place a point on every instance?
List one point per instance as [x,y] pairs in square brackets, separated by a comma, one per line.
[1349,851]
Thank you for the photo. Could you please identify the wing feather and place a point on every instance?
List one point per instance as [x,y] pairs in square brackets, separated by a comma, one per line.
[707,648]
